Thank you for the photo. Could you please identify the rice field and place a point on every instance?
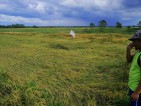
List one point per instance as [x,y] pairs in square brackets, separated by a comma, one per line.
[46,67]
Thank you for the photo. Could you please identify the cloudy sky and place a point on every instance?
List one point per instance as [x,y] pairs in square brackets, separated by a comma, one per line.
[69,12]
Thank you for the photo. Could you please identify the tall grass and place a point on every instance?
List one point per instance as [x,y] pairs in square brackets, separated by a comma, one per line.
[52,69]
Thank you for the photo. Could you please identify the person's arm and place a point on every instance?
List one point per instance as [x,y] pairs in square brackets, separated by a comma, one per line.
[129,57]
[135,94]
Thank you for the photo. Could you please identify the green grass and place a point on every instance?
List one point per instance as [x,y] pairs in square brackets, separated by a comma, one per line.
[46,67]
[62,30]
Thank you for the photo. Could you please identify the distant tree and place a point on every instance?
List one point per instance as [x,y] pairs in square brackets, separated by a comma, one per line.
[139,24]
[13,26]
[0,26]
[102,23]
[129,29]
[9,26]
[34,26]
[132,29]
[17,26]
[118,25]
[92,25]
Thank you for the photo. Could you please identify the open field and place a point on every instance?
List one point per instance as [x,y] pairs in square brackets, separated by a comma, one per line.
[46,67]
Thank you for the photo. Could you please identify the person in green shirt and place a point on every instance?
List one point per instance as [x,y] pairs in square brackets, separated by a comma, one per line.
[134,82]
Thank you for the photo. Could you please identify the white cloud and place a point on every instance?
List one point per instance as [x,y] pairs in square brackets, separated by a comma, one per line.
[43,9]
[38,21]
[129,16]
[6,6]
[3,6]
[88,4]
[65,12]
[131,13]
[37,6]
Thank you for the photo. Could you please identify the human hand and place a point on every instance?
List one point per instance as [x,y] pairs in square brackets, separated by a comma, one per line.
[134,96]
[130,46]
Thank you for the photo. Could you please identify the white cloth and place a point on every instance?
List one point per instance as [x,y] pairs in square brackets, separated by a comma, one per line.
[72,33]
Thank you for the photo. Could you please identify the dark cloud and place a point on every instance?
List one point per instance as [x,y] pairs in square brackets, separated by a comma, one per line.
[132,4]
[61,11]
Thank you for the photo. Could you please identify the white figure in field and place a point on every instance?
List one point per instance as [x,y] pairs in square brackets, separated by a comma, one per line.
[72,34]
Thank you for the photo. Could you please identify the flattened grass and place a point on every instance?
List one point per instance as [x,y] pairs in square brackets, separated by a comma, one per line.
[50,69]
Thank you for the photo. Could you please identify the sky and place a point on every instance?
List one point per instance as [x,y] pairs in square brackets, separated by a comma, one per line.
[69,12]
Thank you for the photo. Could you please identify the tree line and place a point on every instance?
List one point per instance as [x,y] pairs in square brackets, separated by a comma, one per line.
[13,26]
[103,23]
[17,26]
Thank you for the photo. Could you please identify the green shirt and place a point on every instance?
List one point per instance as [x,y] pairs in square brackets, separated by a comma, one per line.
[134,73]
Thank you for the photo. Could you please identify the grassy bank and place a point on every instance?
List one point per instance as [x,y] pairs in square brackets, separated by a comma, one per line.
[46,67]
